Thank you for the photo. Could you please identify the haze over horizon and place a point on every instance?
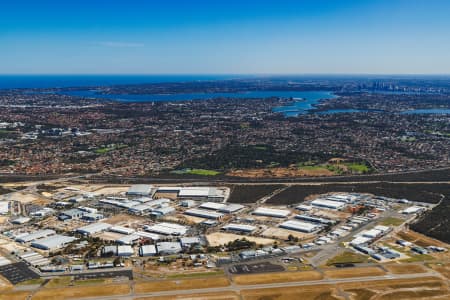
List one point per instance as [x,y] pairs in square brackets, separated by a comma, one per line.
[233,37]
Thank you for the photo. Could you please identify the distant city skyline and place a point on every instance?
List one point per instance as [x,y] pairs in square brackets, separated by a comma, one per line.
[227,37]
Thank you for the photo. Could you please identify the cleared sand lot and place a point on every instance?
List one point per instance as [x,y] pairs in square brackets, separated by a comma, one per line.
[25,198]
[185,284]
[221,238]
[282,233]
[81,291]
[110,190]
[206,296]
[354,272]
[277,277]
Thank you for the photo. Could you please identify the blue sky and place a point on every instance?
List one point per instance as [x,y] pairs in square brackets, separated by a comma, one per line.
[230,37]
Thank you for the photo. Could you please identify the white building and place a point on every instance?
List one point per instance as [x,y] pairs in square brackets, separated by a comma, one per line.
[202,213]
[140,190]
[29,237]
[4,207]
[271,212]
[239,227]
[53,242]
[147,250]
[300,226]
[94,228]
[125,250]
[121,229]
[322,203]
[168,248]
[412,210]
[167,228]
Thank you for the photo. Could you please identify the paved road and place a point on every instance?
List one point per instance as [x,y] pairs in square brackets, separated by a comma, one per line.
[237,288]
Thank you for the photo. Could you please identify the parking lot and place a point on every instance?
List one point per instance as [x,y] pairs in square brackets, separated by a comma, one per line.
[18,272]
[263,267]
[104,274]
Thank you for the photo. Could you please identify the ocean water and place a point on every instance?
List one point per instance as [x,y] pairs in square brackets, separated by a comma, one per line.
[55,81]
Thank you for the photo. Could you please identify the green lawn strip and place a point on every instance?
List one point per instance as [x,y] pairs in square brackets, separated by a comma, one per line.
[392,221]
[348,258]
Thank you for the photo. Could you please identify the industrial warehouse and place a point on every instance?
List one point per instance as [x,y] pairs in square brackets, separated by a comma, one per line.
[134,224]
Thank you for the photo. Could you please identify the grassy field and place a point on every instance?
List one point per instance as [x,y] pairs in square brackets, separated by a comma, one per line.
[202,172]
[32,281]
[198,172]
[325,292]
[418,288]
[195,275]
[89,281]
[59,282]
[22,295]
[354,272]
[277,277]
[357,168]
[391,221]
[418,258]
[405,268]
[206,296]
[185,284]
[82,291]
[104,150]
[348,257]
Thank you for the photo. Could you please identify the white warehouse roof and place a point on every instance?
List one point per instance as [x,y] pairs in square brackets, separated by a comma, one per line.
[122,229]
[167,228]
[147,250]
[212,205]
[148,235]
[35,235]
[300,226]
[94,228]
[239,227]
[140,189]
[271,212]
[53,242]
[203,213]
[328,204]
[168,247]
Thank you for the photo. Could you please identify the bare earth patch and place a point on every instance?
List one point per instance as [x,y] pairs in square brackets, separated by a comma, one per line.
[221,238]
[280,172]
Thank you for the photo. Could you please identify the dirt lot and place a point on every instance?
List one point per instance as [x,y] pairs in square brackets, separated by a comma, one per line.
[280,172]
[325,292]
[25,198]
[277,277]
[206,296]
[353,272]
[81,291]
[112,190]
[221,238]
[125,219]
[405,268]
[185,284]
[281,233]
